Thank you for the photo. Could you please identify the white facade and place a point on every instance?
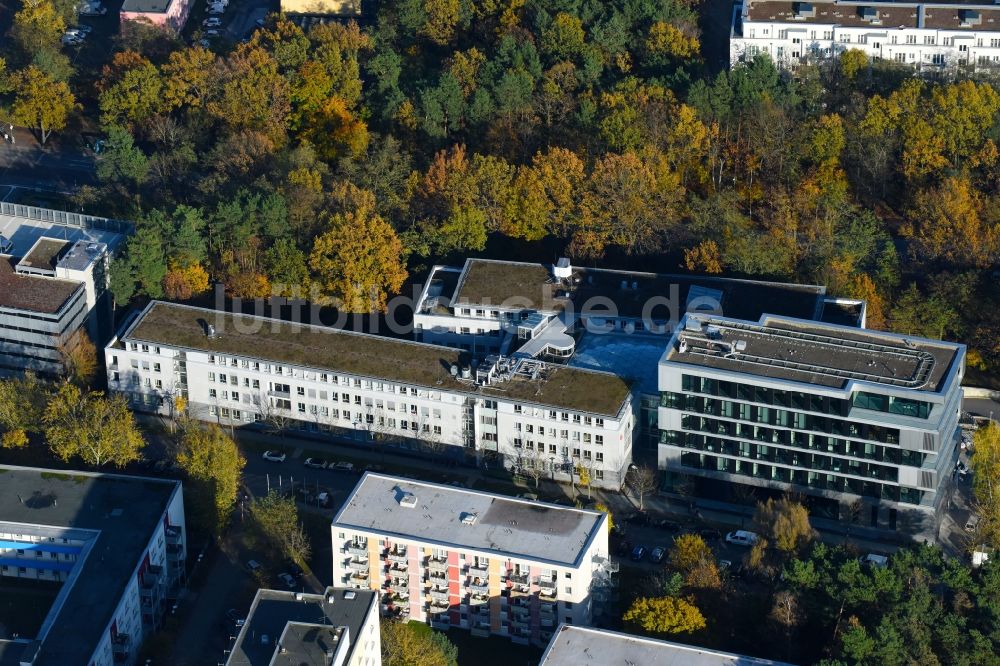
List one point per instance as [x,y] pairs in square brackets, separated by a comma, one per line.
[517,580]
[921,35]
[462,419]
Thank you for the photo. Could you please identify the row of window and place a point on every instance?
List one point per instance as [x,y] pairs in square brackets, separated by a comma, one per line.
[776,417]
[571,435]
[847,38]
[564,451]
[800,477]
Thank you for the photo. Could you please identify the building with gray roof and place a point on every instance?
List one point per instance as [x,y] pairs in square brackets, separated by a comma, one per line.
[577,646]
[489,563]
[115,546]
[337,628]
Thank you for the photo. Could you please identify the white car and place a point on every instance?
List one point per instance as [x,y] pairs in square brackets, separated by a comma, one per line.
[274,456]
[71,40]
[217,9]
[871,559]
[212,33]
[212,22]
[742,538]
[314,463]
[341,467]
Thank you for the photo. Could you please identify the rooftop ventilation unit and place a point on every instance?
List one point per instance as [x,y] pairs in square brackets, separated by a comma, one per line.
[210,331]
[970,17]
[563,270]
[408,500]
[350,594]
[469,518]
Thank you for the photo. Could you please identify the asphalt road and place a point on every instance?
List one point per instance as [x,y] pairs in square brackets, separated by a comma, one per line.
[26,164]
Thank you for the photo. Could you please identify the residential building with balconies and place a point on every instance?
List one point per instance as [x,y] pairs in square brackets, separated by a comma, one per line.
[243,370]
[860,422]
[113,545]
[492,564]
[925,36]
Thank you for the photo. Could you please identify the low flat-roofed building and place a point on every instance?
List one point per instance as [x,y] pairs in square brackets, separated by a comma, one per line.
[171,14]
[53,283]
[115,543]
[463,558]
[573,646]
[242,369]
[838,413]
[337,628]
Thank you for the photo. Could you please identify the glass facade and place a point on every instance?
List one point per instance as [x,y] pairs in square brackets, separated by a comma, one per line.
[792,437]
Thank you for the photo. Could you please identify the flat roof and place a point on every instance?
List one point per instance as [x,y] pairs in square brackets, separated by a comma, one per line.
[520,285]
[82,255]
[146,6]
[33,293]
[23,225]
[891,15]
[575,646]
[123,511]
[367,355]
[43,254]
[632,357]
[813,352]
[503,525]
[309,624]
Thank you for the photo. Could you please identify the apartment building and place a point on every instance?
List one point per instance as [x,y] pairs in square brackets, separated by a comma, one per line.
[842,415]
[931,36]
[337,628]
[452,557]
[572,646]
[115,543]
[53,283]
[243,370]
[172,14]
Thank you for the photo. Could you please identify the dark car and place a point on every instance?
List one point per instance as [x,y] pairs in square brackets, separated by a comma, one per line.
[294,569]
[668,525]
[710,535]
[639,519]
[638,553]
[624,547]
[657,554]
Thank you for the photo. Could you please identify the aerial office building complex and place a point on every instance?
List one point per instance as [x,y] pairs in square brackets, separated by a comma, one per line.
[473,560]
[934,36]
[337,628]
[238,369]
[53,283]
[837,413]
[112,545]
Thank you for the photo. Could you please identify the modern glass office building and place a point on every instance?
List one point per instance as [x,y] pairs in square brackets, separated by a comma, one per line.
[861,422]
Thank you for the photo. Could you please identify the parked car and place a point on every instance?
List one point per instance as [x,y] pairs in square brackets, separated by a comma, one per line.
[260,22]
[274,456]
[295,569]
[212,33]
[531,497]
[204,43]
[212,22]
[710,535]
[725,565]
[215,10]
[93,10]
[638,518]
[742,538]
[657,554]
[315,463]
[235,618]
[288,581]
[71,40]
[638,553]
[341,466]
[83,29]
[253,565]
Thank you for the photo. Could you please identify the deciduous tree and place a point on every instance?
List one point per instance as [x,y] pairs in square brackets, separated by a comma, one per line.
[79,357]
[40,102]
[277,518]
[22,403]
[665,615]
[214,465]
[785,522]
[415,644]
[98,429]
[985,465]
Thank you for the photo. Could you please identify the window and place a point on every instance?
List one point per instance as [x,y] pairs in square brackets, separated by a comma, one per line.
[517,409]
[599,456]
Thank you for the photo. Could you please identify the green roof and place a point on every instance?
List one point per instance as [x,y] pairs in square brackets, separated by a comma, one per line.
[366,355]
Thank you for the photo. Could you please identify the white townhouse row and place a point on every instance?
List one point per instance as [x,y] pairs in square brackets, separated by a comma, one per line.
[922,35]
[115,543]
[542,419]
[453,557]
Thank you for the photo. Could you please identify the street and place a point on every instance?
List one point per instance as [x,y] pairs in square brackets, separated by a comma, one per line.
[57,167]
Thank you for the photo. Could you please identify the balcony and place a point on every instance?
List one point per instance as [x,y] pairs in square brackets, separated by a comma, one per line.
[440,595]
[439,604]
[175,552]
[521,611]
[396,581]
[437,576]
[547,590]
[481,571]
[399,557]
[481,587]
[480,629]
[358,579]
[518,578]
[360,566]
[357,549]
[437,564]
[398,566]
[173,535]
